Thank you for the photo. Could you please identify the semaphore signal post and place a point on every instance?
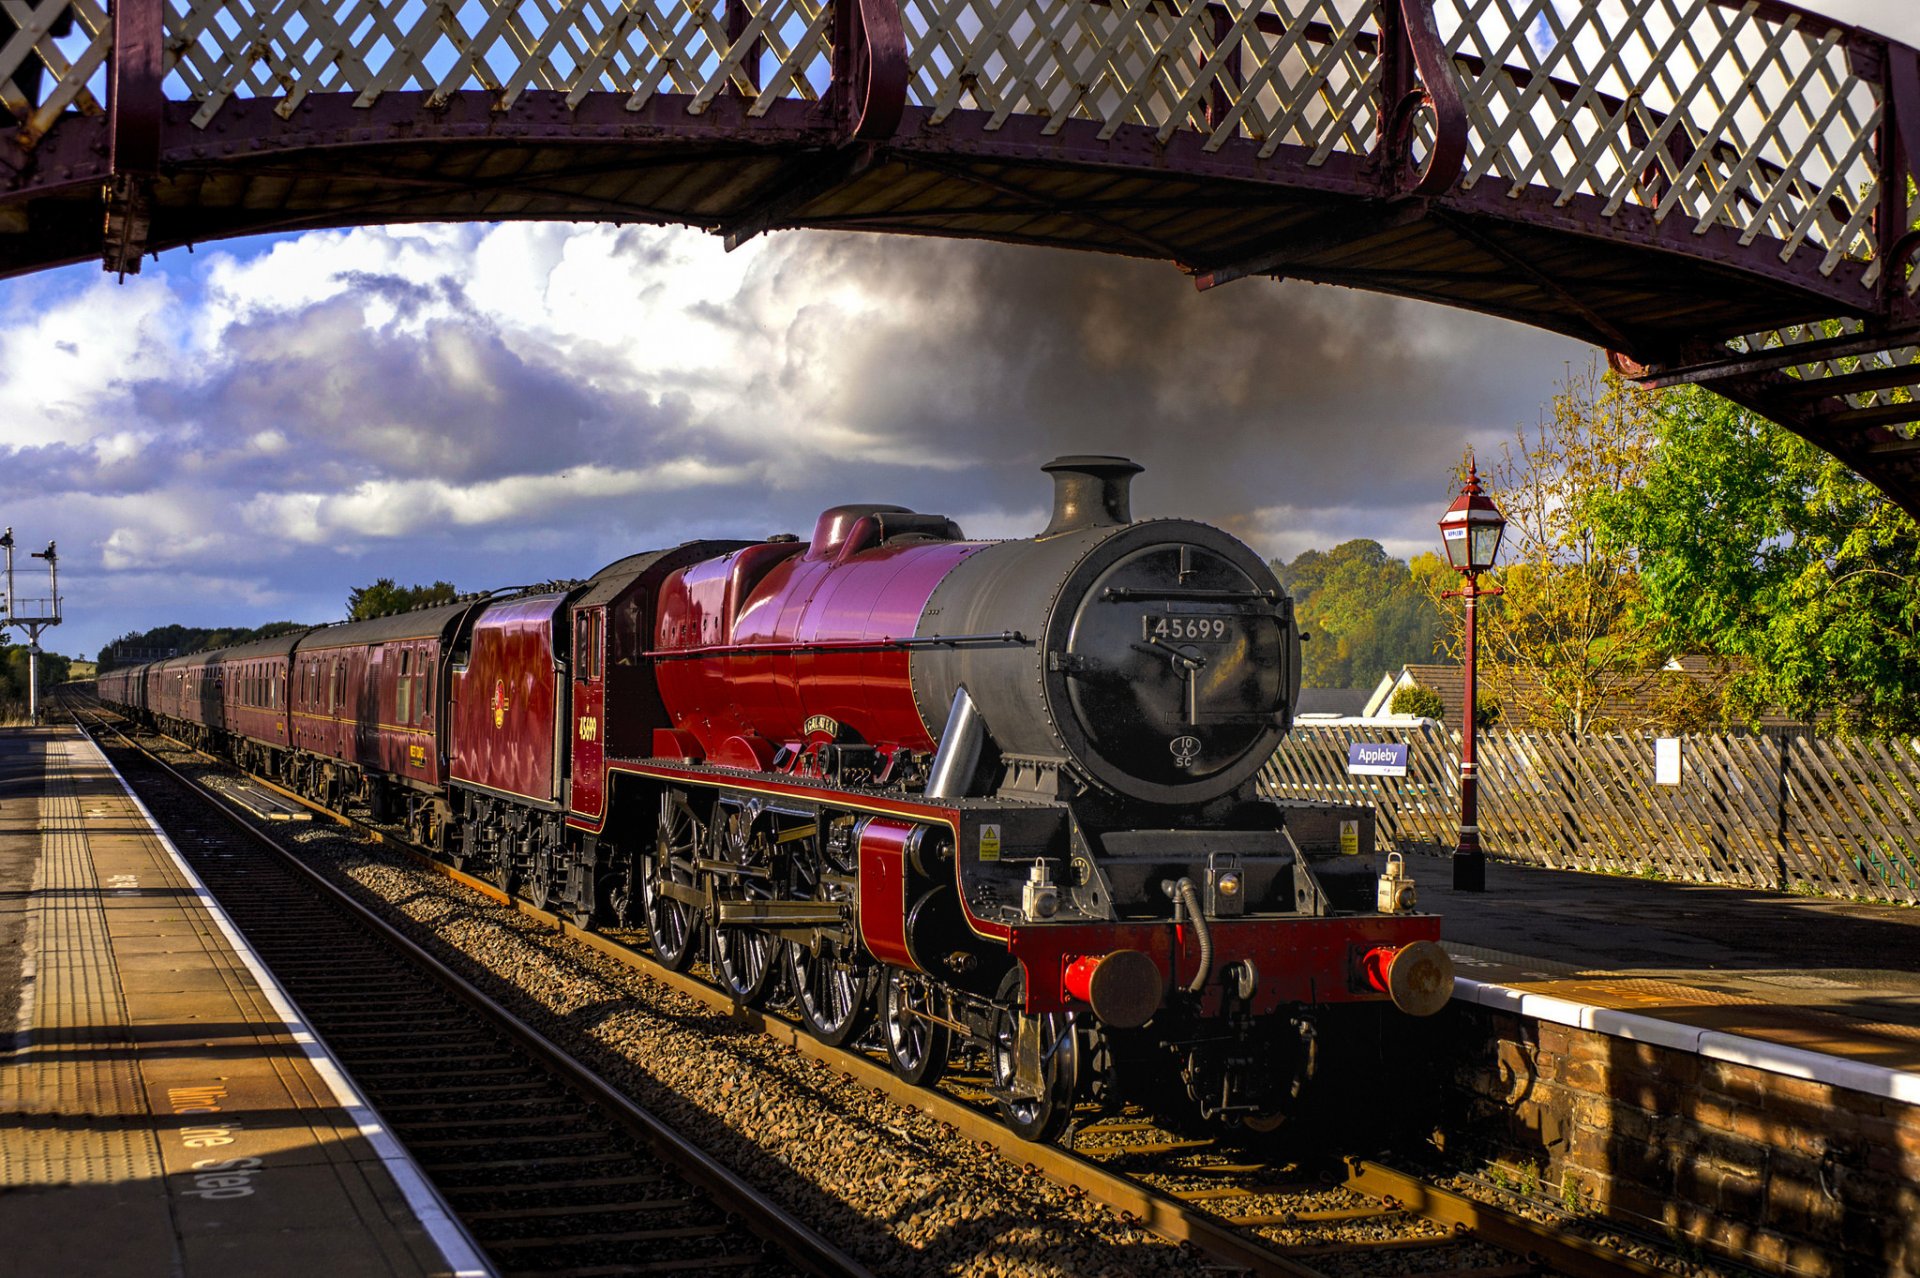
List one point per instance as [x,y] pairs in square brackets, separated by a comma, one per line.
[32,615]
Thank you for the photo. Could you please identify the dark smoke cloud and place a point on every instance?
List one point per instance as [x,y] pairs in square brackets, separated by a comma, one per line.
[1250,396]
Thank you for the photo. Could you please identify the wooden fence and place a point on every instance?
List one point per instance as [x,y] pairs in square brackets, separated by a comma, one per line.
[1836,818]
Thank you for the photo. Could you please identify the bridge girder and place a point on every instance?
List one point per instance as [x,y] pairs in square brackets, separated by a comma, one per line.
[1717,191]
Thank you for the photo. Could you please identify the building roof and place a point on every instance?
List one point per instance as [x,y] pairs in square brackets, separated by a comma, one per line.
[1341,701]
[1631,707]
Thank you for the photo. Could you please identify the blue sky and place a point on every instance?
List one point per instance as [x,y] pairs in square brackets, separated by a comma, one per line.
[245,433]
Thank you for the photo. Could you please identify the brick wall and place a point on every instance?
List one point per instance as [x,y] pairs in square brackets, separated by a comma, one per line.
[1782,1174]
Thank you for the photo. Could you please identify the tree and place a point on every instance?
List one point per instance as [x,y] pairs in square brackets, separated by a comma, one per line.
[172,640]
[1366,612]
[14,677]
[1416,700]
[1567,633]
[383,597]
[1757,545]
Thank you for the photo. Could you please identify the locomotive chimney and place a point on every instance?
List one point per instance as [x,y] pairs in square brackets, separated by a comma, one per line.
[1090,491]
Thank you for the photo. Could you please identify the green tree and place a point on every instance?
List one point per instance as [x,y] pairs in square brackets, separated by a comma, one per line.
[169,640]
[1416,700]
[383,597]
[1567,634]
[13,677]
[1757,545]
[1366,612]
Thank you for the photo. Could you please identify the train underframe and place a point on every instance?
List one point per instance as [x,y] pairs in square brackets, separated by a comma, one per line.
[766,893]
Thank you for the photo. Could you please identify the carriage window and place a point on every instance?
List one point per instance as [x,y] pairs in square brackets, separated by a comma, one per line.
[424,702]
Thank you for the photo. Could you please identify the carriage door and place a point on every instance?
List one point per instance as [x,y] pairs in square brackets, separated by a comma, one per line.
[589,705]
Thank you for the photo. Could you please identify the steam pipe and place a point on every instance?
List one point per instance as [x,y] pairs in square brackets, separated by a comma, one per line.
[958,757]
[1188,896]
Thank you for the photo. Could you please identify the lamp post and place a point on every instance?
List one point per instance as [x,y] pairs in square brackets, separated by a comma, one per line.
[1470,531]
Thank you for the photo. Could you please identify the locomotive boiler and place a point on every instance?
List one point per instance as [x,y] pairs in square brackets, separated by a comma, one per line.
[1082,871]
[994,797]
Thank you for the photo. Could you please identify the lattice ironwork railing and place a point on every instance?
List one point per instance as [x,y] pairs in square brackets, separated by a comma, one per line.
[1299,72]
[217,50]
[66,42]
[1712,111]
[764,50]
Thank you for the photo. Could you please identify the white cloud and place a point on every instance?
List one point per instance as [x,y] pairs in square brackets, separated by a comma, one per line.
[62,366]
[268,426]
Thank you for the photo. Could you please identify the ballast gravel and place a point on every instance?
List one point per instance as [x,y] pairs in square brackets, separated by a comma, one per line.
[900,1191]
[881,1181]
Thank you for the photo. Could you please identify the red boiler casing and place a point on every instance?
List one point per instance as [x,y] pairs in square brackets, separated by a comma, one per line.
[757,649]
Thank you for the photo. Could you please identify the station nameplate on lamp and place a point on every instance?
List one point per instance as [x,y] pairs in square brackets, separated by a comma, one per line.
[1377,759]
[1666,760]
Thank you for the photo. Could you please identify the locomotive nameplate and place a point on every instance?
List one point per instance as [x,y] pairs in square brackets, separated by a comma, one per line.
[1183,627]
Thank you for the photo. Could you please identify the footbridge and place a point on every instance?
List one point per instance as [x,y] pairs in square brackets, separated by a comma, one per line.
[1716,191]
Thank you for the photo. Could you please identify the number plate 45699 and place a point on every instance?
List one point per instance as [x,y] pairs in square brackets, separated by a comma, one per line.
[1183,628]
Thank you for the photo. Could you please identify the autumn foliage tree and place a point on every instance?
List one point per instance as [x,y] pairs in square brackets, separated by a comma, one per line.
[1568,634]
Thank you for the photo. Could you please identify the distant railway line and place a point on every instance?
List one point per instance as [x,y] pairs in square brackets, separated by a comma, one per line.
[1230,1204]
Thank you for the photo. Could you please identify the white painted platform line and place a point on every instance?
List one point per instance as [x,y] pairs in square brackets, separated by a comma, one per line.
[1738,1049]
[457,1247]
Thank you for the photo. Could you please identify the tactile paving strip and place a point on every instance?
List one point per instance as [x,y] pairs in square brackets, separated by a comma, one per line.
[75,1072]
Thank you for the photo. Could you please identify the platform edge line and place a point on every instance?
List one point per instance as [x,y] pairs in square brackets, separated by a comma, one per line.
[1735,1049]
[457,1247]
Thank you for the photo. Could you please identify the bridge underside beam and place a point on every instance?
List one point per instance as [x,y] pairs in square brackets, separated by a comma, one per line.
[1627,283]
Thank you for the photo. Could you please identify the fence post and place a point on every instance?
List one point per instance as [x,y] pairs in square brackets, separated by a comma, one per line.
[1780,816]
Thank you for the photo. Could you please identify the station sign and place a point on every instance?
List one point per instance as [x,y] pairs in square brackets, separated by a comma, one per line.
[1666,761]
[1377,759]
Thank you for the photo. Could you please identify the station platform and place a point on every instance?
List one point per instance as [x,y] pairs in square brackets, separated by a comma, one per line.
[162,1110]
[1808,987]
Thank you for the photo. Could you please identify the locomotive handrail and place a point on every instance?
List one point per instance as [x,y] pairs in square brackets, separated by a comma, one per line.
[1010,638]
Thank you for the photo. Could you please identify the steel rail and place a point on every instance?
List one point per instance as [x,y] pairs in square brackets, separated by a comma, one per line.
[1133,1201]
[801,1244]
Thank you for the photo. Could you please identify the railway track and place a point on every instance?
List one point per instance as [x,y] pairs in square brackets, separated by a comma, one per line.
[550,1169]
[1233,1206]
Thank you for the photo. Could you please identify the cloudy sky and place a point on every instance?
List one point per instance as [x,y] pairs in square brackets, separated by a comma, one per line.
[245,433]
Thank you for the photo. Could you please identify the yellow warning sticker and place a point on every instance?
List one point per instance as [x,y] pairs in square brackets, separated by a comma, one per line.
[1350,838]
[989,843]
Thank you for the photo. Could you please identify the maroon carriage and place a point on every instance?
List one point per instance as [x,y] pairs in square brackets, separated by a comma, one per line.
[366,716]
[254,687]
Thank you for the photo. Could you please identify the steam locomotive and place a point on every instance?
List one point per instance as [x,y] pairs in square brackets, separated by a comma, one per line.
[998,797]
